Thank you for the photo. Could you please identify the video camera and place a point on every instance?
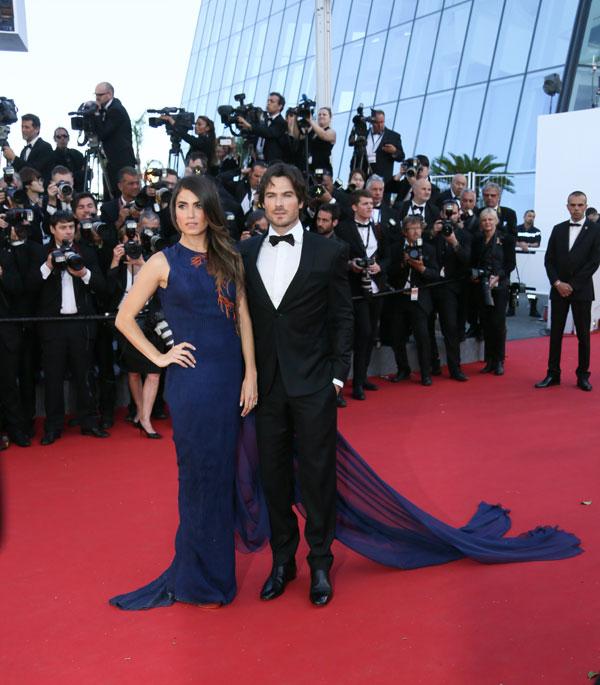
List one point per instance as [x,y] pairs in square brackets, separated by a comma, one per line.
[303,111]
[361,123]
[229,115]
[8,116]
[83,119]
[184,121]
[65,257]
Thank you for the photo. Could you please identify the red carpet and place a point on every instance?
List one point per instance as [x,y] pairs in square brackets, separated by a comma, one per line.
[86,519]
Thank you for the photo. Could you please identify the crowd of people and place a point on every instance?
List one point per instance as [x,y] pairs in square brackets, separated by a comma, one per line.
[415,255]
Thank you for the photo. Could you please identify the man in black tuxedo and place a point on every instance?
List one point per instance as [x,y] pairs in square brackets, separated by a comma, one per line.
[37,153]
[421,204]
[113,127]
[67,292]
[411,170]
[301,310]
[382,148]
[572,257]
[271,132]
[68,157]
[507,217]
[121,208]
[457,185]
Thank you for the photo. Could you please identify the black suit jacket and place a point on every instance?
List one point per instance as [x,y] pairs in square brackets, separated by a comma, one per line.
[113,127]
[40,158]
[444,197]
[399,273]
[384,162]
[496,256]
[577,265]
[432,212]
[73,160]
[309,336]
[456,263]
[273,134]
[347,231]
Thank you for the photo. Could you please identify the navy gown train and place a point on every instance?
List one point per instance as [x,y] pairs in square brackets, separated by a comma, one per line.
[220,498]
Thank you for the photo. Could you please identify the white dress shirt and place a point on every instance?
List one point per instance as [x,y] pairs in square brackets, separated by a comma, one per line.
[68,304]
[369,240]
[574,231]
[373,142]
[28,148]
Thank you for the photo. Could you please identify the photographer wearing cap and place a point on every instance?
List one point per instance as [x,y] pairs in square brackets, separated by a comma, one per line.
[271,132]
[36,154]
[68,157]
[383,147]
[453,255]
[113,127]
[68,277]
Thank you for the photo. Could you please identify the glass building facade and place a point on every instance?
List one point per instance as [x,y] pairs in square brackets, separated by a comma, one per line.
[452,77]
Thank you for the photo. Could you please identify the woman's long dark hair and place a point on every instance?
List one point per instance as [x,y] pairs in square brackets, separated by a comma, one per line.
[212,140]
[223,260]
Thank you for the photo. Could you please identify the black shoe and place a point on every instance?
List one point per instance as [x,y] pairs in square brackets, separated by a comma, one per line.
[279,577]
[152,436]
[436,369]
[358,393]
[341,402]
[4,443]
[459,376]
[49,437]
[488,368]
[426,380]
[321,591]
[106,422]
[95,432]
[20,439]
[473,332]
[548,381]
[130,418]
[370,386]
[584,384]
[400,376]
[499,370]
[73,423]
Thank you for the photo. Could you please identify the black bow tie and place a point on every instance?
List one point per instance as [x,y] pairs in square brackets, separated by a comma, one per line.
[362,225]
[417,208]
[28,146]
[572,224]
[276,239]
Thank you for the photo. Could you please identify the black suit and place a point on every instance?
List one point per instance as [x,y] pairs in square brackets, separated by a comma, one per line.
[113,127]
[575,267]
[40,158]
[273,132]
[68,343]
[384,162]
[431,215]
[446,196]
[301,346]
[73,160]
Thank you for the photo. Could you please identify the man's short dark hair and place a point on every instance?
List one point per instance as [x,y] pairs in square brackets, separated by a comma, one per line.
[332,210]
[577,193]
[82,196]
[412,220]
[196,155]
[357,194]
[378,112]
[60,169]
[280,170]
[588,212]
[280,96]
[35,120]
[259,162]
[126,171]
[28,175]
[253,217]
[171,172]
[423,160]
[62,217]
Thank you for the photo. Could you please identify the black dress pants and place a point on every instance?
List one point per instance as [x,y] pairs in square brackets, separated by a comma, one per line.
[10,401]
[366,321]
[304,426]
[446,302]
[409,316]
[105,360]
[493,323]
[582,316]
[68,345]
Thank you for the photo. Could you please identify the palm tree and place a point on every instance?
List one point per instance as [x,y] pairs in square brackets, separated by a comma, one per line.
[485,167]
[138,136]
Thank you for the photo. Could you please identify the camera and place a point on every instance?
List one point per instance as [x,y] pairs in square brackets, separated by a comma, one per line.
[361,122]
[414,250]
[90,225]
[155,321]
[230,114]
[142,200]
[64,188]
[18,216]
[484,278]
[83,118]
[8,116]
[151,241]
[9,174]
[303,111]
[365,277]
[184,121]
[65,257]
[447,224]
[411,167]
[316,188]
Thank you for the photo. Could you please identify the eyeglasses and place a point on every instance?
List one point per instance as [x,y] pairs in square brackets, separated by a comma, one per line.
[100,94]
[61,135]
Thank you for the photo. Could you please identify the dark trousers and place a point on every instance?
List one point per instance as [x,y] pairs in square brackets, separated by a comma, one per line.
[446,302]
[304,426]
[493,323]
[29,362]
[10,401]
[366,321]
[67,345]
[582,316]
[105,359]
[410,316]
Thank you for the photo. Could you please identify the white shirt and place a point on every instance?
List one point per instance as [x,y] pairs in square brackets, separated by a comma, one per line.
[128,284]
[369,240]
[373,142]
[28,149]
[68,304]
[377,214]
[574,231]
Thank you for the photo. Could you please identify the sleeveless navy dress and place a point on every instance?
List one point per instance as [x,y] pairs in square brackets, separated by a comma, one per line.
[220,495]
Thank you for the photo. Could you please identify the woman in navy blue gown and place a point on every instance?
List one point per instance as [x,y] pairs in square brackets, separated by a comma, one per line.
[221,505]
[200,284]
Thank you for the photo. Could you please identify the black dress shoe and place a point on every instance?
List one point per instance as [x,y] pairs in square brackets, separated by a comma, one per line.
[73,423]
[548,381]
[341,402]
[459,376]
[436,369]
[473,332]
[49,437]
[95,432]
[584,384]
[488,368]
[402,375]
[426,380]
[20,439]
[358,393]
[106,422]
[279,577]
[370,386]
[499,370]
[321,591]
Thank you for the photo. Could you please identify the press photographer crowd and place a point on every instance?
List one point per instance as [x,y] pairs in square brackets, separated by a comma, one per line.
[68,257]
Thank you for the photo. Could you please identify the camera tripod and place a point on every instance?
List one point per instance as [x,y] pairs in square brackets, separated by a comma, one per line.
[95,168]
[175,153]
[359,159]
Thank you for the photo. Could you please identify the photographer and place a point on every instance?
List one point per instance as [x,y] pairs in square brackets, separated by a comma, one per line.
[401,184]
[113,128]
[60,191]
[453,255]
[204,141]
[421,204]
[321,137]
[31,197]
[128,259]
[243,186]
[492,260]
[256,223]
[366,278]
[378,149]
[271,132]
[119,209]
[457,185]
[68,157]
[37,154]
[411,265]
